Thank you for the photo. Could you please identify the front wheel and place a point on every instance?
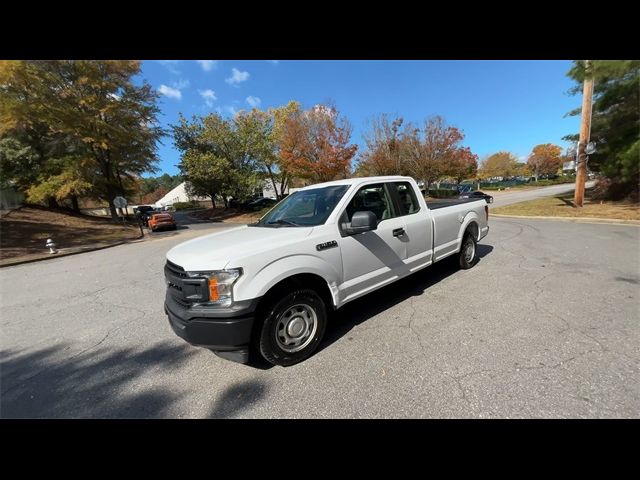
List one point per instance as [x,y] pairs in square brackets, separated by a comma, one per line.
[467,257]
[293,328]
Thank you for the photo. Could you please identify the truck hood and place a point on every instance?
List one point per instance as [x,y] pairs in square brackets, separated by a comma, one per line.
[220,250]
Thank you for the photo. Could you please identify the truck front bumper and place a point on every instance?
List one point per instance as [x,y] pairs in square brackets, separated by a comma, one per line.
[226,331]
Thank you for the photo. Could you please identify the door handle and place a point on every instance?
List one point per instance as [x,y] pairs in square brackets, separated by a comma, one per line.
[398,232]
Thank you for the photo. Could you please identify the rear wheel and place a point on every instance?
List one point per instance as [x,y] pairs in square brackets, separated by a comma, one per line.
[467,257]
[293,327]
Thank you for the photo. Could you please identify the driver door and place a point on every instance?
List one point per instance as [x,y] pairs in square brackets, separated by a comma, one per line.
[372,259]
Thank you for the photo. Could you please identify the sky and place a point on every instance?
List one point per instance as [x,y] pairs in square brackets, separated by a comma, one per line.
[499,105]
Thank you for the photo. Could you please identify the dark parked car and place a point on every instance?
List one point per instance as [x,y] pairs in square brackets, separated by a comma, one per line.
[477,194]
[262,203]
[143,213]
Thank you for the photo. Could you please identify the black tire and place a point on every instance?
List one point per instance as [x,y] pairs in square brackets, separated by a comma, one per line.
[465,260]
[272,328]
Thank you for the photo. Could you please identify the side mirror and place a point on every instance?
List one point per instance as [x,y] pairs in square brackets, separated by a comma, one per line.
[363,221]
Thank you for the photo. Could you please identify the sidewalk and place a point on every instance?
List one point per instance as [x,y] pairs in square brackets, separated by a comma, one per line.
[64,252]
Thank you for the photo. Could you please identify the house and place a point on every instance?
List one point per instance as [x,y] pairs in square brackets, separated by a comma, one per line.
[267,190]
[179,194]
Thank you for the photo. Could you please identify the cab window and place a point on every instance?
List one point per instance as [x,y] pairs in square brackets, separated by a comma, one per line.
[406,198]
[373,198]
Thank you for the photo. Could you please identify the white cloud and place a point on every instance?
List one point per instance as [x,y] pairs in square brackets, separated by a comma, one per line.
[170,92]
[170,65]
[274,62]
[181,84]
[208,95]
[230,109]
[207,65]
[237,77]
[253,101]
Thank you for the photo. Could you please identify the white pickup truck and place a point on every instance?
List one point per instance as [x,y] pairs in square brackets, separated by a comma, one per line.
[268,287]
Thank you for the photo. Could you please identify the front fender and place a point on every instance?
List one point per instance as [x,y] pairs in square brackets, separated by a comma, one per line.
[275,272]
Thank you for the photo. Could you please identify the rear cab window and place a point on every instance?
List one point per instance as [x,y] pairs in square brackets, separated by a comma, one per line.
[406,197]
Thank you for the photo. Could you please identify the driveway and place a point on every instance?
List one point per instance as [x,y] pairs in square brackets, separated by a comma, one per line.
[545,325]
[503,198]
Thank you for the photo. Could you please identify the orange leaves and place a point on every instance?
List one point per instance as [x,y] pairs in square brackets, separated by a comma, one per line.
[545,159]
[314,144]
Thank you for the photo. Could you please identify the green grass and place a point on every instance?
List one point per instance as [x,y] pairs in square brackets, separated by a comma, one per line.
[562,206]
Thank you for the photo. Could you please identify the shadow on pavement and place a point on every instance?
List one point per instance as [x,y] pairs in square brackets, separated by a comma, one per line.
[236,398]
[360,310]
[97,384]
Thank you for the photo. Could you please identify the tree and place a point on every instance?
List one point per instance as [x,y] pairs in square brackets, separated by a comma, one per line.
[545,159]
[218,156]
[314,144]
[615,125]
[436,152]
[95,106]
[462,165]
[385,150]
[500,164]
[206,174]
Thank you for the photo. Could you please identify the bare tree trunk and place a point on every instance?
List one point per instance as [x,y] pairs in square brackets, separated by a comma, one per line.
[284,183]
[110,197]
[273,182]
[53,203]
[74,203]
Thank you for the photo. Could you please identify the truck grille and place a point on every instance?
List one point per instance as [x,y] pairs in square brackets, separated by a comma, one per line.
[177,270]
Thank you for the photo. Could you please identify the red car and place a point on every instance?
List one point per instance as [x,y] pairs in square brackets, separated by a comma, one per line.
[162,220]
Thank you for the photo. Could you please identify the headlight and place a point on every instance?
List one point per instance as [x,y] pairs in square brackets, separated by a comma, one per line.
[220,283]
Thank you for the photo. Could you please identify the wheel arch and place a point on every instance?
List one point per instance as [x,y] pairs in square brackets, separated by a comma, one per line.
[298,281]
[470,223]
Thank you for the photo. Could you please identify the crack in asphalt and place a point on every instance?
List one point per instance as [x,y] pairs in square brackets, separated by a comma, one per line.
[424,354]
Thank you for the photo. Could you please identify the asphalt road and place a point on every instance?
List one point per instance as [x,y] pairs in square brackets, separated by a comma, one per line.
[501,199]
[545,325]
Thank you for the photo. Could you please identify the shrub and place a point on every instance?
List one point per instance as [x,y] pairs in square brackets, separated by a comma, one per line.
[185,205]
[442,193]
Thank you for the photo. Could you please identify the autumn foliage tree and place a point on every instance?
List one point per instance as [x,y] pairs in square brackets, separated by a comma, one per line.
[386,148]
[545,159]
[500,164]
[107,121]
[463,164]
[436,151]
[261,131]
[314,144]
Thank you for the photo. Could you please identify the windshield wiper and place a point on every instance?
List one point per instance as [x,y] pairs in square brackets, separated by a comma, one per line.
[280,221]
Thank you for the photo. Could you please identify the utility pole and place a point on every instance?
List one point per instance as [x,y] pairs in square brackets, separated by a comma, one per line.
[585,132]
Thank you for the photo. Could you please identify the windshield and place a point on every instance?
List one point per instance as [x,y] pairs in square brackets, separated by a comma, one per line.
[304,208]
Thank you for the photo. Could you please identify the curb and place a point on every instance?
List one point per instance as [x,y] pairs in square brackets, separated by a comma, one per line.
[67,254]
[592,220]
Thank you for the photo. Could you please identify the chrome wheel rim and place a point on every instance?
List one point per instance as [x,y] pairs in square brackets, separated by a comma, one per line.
[296,327]
[469,251]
